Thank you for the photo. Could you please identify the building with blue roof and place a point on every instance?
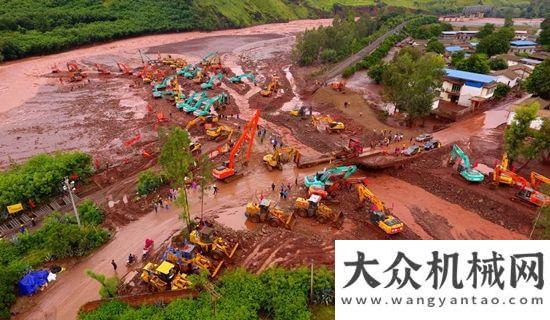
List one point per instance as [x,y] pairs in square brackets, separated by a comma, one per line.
[467,89]
[453,49]
[520,46]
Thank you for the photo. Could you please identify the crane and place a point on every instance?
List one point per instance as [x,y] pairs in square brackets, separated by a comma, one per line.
[227,170]
[464,167]
[378,213]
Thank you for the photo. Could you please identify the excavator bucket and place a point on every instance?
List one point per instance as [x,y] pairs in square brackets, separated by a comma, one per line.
[232,252]
[217,269]
[288,223]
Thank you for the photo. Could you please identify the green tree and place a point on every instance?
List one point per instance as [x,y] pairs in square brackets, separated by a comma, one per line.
[205,166]
[176,161]
[493,44]
[90,213]
[457,57]
[538,82]
[517,134]
[508,21]
[436,46]
[148,181]
[544,37]
[501,91]
[486,30]
[377,71]
[498,64]
[539,145]
[109,286]
[477,63]
[411,84]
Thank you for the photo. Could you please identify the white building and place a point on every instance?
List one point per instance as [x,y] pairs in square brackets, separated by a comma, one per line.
[507,77]
[467,88]
[522,46]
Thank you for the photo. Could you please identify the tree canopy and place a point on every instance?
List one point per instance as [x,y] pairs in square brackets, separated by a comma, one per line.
[496,43]
[436,46]
[523,141]
[538,82]
[411,82]
[477,63]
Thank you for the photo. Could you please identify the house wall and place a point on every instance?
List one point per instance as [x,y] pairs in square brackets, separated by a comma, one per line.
[511,63]
[505,80]
[466,93]
[522,49]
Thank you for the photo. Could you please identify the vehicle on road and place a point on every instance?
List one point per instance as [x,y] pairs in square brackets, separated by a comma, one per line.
[432,144]
[423,137]
[412,150]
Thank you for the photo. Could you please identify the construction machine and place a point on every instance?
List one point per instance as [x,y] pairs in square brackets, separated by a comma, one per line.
[352,150]
[164,277]
[239,78]
[212,62]
[273,86]
[464,167]
[227,170]
[191,100]
[195,104]
[537,179]
[327,123]
[189,260]
[124,69]
[204,238]
[200,77]
[212,81]
[266,211]
[313,207]
[216,101]
[299,112]
[281,156]
[338,85]
[322,178]
[73,67]
[210,118]
[219,132]
[102,70]
[192,72]
[378,214]
[182,71]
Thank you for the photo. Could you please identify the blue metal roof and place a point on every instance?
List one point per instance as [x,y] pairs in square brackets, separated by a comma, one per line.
[522,43]
[532,61]
[454,49]
[470,76]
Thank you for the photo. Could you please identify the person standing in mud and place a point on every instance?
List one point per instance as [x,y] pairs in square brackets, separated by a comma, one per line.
[273,186]
[215,188]
[113,263]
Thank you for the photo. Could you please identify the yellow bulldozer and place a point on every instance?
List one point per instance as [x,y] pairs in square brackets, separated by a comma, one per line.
[219,133]
[209,243]
[327,123]
[378,214]
[164,277]
[273,86]
[313,207]
[281,156]
[192,261]
[265,211]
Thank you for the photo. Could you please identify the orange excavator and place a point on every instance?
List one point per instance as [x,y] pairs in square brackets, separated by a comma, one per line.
[102,70]
[75,72]
[227,171]
[528,191]
[124,69]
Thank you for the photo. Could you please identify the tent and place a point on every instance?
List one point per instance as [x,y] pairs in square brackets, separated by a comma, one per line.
[32,281]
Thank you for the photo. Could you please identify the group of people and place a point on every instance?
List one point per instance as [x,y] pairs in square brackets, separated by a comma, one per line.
[384,138]
[165,203]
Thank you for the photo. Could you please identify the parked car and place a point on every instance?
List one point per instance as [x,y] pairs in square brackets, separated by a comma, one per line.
[432,144]
[412,150]
[423,137]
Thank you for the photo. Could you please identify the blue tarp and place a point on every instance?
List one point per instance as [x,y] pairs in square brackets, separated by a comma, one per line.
[32,281]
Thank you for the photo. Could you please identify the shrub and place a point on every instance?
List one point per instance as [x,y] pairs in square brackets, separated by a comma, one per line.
[148,182]
[376,72]
[329,56]
[498,64]
[501,91]
[90,213]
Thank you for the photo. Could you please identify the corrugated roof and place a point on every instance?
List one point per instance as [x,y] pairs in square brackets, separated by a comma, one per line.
[469,76]
[449,32]
[521,43]
[532,61]
[454,49]
[507,73]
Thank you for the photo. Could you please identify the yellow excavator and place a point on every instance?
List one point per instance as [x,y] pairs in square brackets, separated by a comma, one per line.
[200,77]
[164,277]
[265,211]
[378,214]
[217,247]
[219,132]
[281,156]
[271,87]
[327,123]
[211,118]
[313,207]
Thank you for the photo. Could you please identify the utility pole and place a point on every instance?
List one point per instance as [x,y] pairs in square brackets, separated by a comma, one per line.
[69,186]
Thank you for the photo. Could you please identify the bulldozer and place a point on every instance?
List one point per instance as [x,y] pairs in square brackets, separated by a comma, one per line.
[327,123]
[313,207]
[281,156]
[191,261]
[219,132]
[164,277]
[273,86]
[378,214]
[205,239]
[266,212]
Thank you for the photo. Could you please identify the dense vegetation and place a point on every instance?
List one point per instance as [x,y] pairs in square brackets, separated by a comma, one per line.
[275,294]
[538,82]
[148,181]
[59,237]
[39,178]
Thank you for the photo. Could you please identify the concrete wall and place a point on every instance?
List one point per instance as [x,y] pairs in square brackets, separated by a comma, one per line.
[505,80]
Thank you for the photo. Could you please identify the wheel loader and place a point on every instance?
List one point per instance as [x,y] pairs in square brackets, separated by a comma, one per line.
[266,212]
[217,247]
[191,261]
[327,123]
[164,277]
[281,156]
[313,207]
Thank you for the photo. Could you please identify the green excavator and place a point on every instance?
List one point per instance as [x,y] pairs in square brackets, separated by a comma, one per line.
[192,72]
[321,178]
[239,78]
[204,110]
[190,100]
[194,105]
[183,70]
[464,167]
[211,81]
